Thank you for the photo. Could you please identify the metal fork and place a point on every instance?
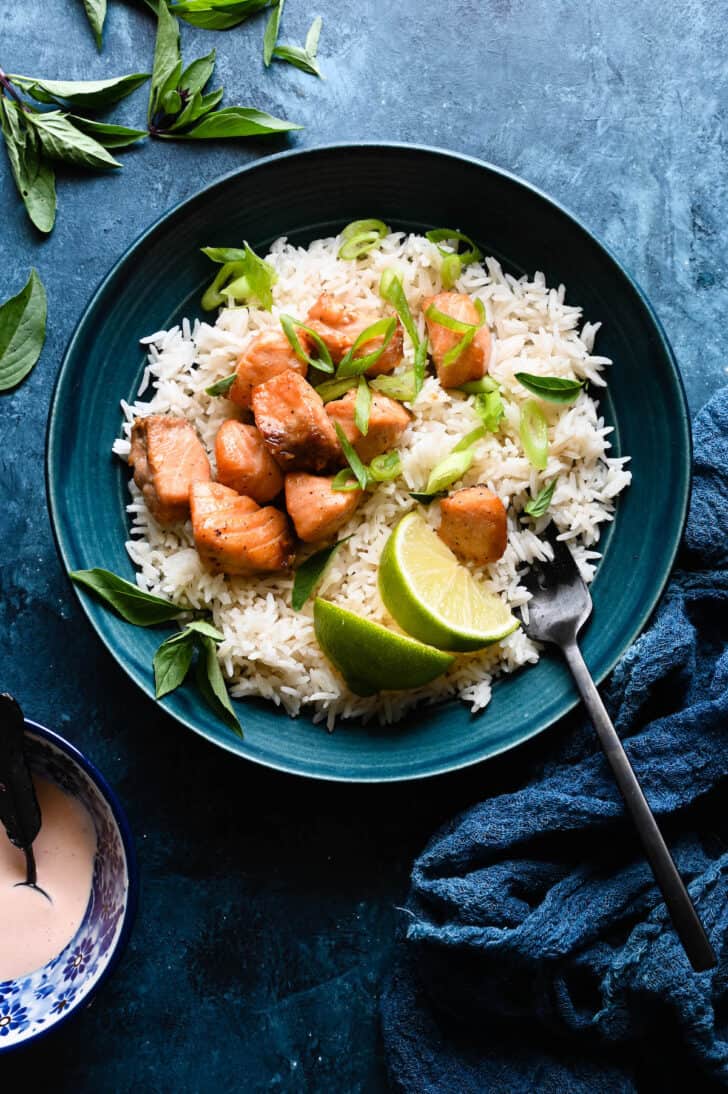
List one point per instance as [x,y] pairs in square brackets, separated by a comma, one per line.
[559,607]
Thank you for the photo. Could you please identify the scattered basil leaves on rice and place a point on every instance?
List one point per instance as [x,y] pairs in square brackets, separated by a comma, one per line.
[536,507]
[311,572]
[554,389]
[22,332]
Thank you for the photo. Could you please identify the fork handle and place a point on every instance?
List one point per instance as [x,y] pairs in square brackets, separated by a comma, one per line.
[684,917]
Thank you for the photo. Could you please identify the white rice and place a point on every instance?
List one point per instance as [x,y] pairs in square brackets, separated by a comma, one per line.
[269,650]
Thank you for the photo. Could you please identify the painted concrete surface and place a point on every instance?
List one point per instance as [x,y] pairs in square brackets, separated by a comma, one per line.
[268,903]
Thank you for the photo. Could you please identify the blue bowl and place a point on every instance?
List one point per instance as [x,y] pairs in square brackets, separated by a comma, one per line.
[305,195]
[35,1004]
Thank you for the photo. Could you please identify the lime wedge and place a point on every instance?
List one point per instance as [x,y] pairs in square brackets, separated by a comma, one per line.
[370,657]
[432,596]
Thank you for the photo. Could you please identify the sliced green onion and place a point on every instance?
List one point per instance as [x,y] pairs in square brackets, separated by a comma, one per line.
[390,289]
[534,434]
[478,387]
[334,389]
[362,407]
[344,481]
[213,296]
[420,365]
[469,439]
[450,270]
[351,458]
[436,316]
[449,235]
[360,237]
[323,362]
[468,330]
[350,364]
[449,470]
[554,389]
[537,506]
[385,467]
[427,499]
[489,408]
[455,351]
[244,275]
[221,387]
[401,387]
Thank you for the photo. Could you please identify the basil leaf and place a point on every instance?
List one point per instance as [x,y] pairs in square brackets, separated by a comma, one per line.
[127,599]
[221,387]
[533,431]
[489,408]
[391,290]
[171,663]
[270,36]
[352,458]
[211,684]
[22,332]
[88,94]
[554,389]
[96,13]
[201,626]
[167,55]
[217,14]
[334,389]
[111,136]
[33,174]
[312,38]
[299,58]
[196,75]
[61,140]
[427,499]
[400,387]
[449,470]
[197,107]
[237,121]
[362,407]
[310,574]
[537,506]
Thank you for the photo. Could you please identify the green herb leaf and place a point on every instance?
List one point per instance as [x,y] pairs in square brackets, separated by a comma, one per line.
[363,406]
[237,121]
[217,14]
[334,389]
[221,387]
[352,458]
[353,365]
[197,107]
[244,276]
[111,136]
[299,58]
[201,626]
[323,362]
[400,387]
[171,662]
[270,36]
[427,499]
[554,389]
[127,599]
[312,38]
[385,467]
[533,431]
[196,75]
[61,140]
[537,506]
[489,408]
[22,332]
[96,13]
[167,55]
[310,574]
[211,684]
[449,470]
[87,94]
[33,174]
[391,290]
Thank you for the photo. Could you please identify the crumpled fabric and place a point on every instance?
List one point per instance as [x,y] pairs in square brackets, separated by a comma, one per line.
[536,952]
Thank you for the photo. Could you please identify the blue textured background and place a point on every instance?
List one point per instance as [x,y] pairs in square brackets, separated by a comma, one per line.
[268,904]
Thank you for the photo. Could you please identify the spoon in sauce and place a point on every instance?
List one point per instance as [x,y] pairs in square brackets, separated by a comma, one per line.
[19,809]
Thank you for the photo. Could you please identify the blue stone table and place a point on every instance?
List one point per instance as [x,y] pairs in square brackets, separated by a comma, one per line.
[268,903]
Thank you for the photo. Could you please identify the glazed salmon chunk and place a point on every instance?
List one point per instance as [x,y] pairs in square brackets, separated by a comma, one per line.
[473,362]
[293,422]
[316,510]
[166,457]
[245,464]
[388,420]
[474,524]
[338,326]
[266,354]
[234,535]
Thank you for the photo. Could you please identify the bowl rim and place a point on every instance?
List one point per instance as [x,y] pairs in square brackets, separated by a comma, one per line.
[570,702]
[132,872]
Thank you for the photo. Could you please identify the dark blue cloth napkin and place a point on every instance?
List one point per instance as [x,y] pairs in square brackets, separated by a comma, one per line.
[537,953]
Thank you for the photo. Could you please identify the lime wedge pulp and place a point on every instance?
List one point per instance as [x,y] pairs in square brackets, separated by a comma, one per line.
[433,597]
[370,657]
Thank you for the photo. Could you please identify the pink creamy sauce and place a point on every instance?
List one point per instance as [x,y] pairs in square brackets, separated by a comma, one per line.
[32,930]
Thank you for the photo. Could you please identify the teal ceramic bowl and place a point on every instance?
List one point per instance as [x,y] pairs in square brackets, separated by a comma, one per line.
[304,195]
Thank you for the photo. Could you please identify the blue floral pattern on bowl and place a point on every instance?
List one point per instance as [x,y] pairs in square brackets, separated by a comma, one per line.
[31,1005]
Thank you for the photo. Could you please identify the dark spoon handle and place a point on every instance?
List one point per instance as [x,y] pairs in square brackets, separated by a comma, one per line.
[687,923]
